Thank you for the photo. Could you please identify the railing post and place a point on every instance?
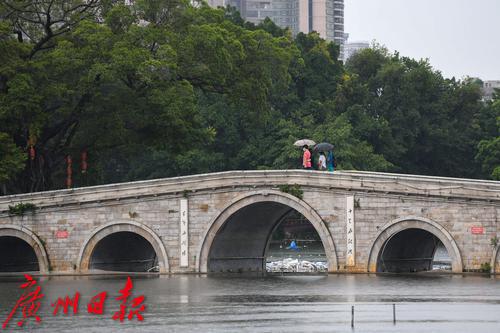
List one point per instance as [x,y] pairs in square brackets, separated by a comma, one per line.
[352,316]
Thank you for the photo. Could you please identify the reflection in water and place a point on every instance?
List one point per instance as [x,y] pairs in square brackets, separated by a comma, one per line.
[430,303]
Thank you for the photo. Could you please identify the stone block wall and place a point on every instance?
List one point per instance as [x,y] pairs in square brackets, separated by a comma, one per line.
[69,221]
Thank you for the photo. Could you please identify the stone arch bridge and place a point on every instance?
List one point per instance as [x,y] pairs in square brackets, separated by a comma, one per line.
[367,222]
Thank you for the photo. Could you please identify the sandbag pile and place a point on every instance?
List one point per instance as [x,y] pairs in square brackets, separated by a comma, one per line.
[296,265]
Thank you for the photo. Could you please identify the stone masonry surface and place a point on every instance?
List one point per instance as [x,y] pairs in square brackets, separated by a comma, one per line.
[384,204]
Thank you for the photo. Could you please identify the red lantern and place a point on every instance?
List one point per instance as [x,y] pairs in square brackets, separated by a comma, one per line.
[69,171]
[31,145]
[32,153]
[84,165]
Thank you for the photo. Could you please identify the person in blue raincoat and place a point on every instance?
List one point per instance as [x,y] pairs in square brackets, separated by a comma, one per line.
[330,161]
[293,246]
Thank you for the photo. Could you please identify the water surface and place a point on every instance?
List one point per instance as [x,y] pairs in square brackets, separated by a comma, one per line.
[186,303]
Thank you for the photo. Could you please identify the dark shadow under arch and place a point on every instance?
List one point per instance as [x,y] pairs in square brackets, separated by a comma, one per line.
[276,204]
[17,255]
[19,245]
[128,241]
[410,250]
[394,227]
[123,252]
[240,244]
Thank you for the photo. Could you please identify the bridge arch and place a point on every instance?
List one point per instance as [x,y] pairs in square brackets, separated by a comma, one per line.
[262,197]
[26,235]
[112,228]
[414,222]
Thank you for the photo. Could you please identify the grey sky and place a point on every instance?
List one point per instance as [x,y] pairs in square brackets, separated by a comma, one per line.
[460,37]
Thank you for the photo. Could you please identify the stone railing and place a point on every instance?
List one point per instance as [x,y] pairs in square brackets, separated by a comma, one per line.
[384,183]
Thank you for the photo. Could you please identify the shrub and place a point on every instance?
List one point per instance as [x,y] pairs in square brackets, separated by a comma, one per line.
[22,208]
[485,267]
[294,190]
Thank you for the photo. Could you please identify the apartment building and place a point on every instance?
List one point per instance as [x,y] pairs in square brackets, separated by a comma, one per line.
[323,16]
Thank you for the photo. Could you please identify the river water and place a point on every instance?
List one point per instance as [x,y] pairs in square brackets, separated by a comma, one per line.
[189,303]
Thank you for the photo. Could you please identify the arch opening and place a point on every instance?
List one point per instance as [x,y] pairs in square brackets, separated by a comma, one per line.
[124,251]
[251,235]
[413,250]
[17,255]
[295,246]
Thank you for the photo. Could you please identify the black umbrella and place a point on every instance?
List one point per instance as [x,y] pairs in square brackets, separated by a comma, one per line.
[323,146]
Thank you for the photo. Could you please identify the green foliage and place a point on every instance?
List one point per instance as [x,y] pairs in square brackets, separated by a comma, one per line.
[12,158]
[294,190]
[269,26]
[166,88]
[368,62]
[494,242]
[485,267]
[488,150]
[356,203]
[22,208]
[495,175]
[489,156]
[429,125]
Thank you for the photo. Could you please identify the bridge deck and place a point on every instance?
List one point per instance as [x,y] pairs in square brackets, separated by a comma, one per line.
[387,183]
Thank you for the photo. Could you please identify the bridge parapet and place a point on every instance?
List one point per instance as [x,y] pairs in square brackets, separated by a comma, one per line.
[411,185]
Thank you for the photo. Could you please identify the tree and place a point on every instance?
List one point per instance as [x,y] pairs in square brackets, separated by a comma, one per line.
[488,149]
[171,87]
[489,156]
[127,92]
[12,159]
[41,22]
[428,123]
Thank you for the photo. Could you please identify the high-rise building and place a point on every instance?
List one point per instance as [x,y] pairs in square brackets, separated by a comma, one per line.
[351,48]
[254,11]
[489,88]
[286,13]
[326,17]
[216,3]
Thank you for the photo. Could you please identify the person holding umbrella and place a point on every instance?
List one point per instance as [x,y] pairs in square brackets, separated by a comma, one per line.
[330,158]
[306,158]
[322,161]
